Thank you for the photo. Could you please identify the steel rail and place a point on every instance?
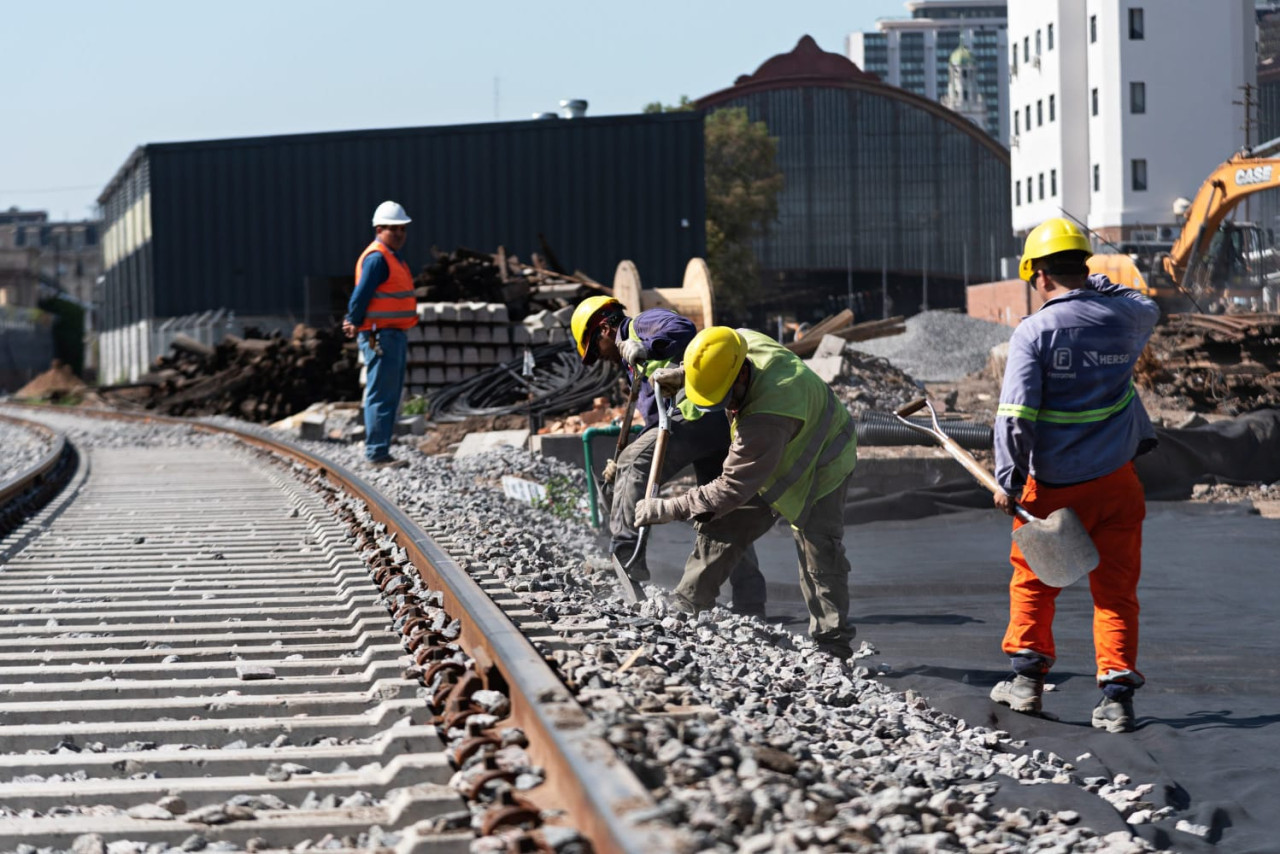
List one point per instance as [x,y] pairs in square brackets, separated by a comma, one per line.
[585,779]
[36,474]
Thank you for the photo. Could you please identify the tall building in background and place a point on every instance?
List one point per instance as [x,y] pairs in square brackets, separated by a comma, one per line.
[1119,107]
[915,53]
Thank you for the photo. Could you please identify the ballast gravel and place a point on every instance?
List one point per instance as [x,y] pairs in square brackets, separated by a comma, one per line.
[23,448]
[939,346]
[748,738]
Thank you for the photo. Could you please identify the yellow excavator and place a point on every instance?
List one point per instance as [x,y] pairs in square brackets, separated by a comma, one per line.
[1216,265]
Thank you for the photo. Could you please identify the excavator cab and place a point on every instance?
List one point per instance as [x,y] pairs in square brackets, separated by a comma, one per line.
[1239,272]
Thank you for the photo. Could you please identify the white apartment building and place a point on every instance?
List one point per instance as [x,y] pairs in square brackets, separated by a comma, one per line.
[914,53]
[1120,107]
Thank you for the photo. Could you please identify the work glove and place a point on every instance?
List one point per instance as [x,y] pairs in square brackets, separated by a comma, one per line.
[633,352]
[669,380]
[655,511]
[610,471]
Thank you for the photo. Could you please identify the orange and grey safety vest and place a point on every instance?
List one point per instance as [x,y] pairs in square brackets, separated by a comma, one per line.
[823,453]
[393,305]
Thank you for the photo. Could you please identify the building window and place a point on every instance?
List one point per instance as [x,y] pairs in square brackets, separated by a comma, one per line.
[1037,42]
[1093,28]
[1029,196]
[1097,177]
[1039,113]
[1137,25]
[1017,192]
[1053,100]
[1041,186]
[1028,122]
[1015,60]
[1093,100]
[1053,182]
[1139,170]
[1049,34]
[1026,49]
[1017,115]
[1137,97]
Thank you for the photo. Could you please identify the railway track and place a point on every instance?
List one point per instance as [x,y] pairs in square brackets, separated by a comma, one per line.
[215,640]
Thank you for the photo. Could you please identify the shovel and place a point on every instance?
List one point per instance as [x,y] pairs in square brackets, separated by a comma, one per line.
[631,590]
[1058,549]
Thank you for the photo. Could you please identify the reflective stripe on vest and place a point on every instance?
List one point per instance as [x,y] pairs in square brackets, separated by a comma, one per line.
[393,305]
[823,452]
[1056,416]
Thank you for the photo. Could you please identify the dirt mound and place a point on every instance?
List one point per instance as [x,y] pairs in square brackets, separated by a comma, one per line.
[57,383]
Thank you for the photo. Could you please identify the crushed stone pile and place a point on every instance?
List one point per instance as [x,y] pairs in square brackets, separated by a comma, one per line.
[940,346]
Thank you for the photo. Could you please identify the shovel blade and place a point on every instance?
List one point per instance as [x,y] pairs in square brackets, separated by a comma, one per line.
[631,590]
[1058,548]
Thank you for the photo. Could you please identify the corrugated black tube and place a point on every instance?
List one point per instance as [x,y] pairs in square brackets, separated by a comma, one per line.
[882,428]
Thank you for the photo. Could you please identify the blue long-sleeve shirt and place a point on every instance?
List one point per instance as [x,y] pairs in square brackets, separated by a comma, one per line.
[373,272]
[1068,408]
[664,334]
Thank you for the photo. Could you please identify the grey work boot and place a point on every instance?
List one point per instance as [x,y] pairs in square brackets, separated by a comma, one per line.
[1114,715]
[1021,693]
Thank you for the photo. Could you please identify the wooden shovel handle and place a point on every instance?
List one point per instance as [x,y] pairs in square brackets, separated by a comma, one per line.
[625,433]
[966,459]
[655,470]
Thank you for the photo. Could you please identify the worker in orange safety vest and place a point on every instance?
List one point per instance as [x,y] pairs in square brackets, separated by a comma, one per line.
[381,310]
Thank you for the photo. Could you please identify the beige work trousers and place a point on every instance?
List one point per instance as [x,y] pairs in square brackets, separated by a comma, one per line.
[823,566]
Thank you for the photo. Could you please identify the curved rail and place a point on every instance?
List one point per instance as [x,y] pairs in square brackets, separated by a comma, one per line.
[585,778]
[28,491]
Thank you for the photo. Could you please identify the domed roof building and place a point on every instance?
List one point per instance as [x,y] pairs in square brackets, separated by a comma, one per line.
[886,193]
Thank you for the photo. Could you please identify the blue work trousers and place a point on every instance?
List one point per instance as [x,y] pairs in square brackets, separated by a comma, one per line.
[384,383]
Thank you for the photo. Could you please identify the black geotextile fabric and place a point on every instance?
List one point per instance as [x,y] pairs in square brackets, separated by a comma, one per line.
[1242,450]
[1245,449]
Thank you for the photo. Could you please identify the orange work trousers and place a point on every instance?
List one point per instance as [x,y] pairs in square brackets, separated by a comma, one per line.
[1111,509]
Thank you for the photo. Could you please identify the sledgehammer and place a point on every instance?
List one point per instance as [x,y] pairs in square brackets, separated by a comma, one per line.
[1058,549]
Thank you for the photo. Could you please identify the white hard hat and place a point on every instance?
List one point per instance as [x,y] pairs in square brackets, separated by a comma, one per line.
[390,213]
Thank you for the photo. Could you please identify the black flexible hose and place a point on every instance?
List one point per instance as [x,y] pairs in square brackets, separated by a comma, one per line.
[883,429]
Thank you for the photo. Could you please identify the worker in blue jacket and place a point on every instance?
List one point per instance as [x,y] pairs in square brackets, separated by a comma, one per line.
[654,339]
[1068,427]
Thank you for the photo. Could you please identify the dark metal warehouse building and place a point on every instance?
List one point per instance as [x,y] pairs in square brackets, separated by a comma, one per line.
[884,191]
[251,226]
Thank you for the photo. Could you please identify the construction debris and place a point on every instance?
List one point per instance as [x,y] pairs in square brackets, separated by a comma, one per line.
[257,379]
[1228,364]
[466,275]
[862,382]
[842,326]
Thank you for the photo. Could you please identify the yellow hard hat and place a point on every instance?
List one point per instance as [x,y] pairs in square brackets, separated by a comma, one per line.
[711,364]
[585,318]
[1049,238]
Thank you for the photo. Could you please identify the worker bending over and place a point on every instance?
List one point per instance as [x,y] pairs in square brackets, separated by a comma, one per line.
[793,450]
[1067,430]
[652,340]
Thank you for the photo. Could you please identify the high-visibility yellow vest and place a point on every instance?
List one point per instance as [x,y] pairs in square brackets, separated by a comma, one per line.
[819,458]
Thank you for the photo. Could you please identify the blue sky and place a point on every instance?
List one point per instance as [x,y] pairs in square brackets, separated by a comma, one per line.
[90,81]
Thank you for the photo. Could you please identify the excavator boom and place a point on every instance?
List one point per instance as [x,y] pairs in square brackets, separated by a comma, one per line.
[1243,175]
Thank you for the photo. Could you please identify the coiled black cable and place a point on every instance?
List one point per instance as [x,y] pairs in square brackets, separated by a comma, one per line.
[560,385]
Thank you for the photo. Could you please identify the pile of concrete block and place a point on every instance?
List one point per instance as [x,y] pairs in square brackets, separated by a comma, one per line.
[454,341]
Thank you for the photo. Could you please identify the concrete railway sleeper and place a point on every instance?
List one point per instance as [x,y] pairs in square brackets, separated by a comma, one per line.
[192,656]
